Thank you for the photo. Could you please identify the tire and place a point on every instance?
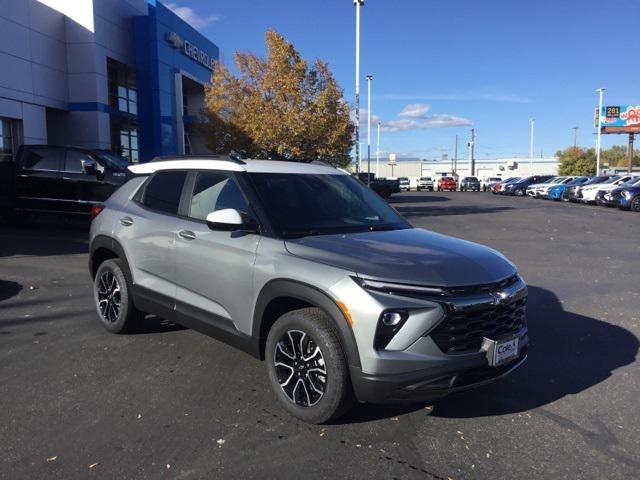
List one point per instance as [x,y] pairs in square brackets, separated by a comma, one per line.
[308,329]
[113,300]
[634,204]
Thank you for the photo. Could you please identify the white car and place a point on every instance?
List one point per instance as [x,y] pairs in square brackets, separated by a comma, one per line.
[532,190]
[590,192]
[542,189]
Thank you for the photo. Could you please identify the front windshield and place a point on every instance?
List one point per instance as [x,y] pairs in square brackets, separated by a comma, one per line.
[613,179]
[312,204]
[631,182]
[599,179]
[111,161]
[472,179]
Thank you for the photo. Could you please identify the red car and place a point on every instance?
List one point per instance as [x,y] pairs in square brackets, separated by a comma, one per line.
[447,183]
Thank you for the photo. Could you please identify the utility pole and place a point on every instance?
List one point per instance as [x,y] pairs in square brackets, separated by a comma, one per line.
[358,4]
[378,153]
[472,158]
[630,153]
[575,136]
[369,78]
[455,157]
[532,121]
[599,131]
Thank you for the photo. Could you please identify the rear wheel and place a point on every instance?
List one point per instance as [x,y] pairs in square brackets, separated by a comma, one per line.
[112,296]
[307,367]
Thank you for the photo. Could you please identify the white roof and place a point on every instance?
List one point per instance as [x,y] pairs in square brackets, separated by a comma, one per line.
[258,166]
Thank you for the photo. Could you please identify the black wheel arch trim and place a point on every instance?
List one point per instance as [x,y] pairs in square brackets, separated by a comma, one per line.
[108,243]
[314,296]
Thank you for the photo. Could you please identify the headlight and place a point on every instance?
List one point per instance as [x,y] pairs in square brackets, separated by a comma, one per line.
[626,194]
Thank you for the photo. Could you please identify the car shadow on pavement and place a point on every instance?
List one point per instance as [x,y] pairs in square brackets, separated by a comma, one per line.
[45,235]
[568,353]
[417,199]
[429,211]
[9,289]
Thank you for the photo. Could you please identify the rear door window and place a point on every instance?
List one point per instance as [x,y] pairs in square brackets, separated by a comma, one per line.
[164,190]
[47,159]
[73,161]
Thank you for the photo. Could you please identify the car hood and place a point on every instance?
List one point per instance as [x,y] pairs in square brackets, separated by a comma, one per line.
[412,256]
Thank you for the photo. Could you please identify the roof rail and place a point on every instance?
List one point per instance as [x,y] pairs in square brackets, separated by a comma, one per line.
[320,162]
[232,157]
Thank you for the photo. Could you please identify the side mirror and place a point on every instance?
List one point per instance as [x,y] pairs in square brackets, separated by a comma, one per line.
[229,219]
[89,167]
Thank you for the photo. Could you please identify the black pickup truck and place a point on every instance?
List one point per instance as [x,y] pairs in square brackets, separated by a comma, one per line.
[382,186]
[45,178]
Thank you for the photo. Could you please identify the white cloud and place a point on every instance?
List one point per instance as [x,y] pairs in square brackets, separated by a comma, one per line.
[415,110]
[363,118]
[431,121]
[191,17]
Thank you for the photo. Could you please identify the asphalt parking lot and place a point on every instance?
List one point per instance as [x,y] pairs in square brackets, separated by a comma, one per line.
[78,402]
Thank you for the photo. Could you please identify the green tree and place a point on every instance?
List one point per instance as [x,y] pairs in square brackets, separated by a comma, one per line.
[277,108]
[616,156]
[577,161]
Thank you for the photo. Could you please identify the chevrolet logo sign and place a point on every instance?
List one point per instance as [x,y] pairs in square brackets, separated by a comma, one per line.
[174,39]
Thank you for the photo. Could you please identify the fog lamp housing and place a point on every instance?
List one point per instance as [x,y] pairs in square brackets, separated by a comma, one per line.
[389,323]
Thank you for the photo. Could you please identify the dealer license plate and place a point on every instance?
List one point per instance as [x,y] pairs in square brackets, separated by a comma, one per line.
[500,352]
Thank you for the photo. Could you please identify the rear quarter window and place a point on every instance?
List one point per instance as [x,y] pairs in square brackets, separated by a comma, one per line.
[163,191]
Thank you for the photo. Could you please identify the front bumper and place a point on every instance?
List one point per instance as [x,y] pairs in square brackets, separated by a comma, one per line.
[448,357]
[605,199]
[433,383]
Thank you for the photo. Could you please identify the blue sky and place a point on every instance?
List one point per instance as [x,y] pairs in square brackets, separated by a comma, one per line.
[442,65]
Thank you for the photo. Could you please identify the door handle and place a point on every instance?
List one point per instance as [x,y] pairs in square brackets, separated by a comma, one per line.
[126,221]
[187,234]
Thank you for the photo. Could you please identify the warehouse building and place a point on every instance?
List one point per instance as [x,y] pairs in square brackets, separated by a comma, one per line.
[121,75]
[414,168]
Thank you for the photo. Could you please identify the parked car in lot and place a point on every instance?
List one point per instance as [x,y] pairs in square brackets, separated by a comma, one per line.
[534,190]
[628,196]
[303,266]
[69,180]
[621,196]
[519,188]
[382,186]
[557,192]
[488,183]
[497,187]
[594,193]
[470,184]
[447,183]
[572,192]
[405,184]
[425,183]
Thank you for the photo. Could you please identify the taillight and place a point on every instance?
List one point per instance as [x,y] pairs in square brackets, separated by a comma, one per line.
[96,210]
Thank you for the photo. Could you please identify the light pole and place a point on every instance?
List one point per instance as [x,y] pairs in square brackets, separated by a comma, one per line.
[599,127]
[358,4]
[575,136]
[369,78]
[378,152]
[532,121]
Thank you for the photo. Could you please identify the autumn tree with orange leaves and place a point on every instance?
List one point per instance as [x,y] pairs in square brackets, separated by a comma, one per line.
[279,108]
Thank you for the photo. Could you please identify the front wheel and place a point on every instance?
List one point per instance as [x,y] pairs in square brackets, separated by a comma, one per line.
[307,366]
[634,204]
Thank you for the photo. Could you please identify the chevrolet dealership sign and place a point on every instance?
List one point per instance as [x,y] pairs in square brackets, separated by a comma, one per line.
[190,50]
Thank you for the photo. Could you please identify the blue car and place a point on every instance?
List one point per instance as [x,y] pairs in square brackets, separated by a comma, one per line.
[557,191]
[627,196]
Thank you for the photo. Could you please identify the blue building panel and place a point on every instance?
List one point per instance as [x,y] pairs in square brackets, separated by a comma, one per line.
[166,45]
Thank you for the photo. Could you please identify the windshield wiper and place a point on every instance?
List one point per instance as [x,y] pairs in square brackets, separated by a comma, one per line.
[382,228]
[300,233]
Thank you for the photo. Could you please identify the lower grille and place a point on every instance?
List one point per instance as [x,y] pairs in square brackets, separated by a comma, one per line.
[463,331]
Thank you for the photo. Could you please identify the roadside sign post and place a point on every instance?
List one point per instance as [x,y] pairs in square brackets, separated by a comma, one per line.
[620,119]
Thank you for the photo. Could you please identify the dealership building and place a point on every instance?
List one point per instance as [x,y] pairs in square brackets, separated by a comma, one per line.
[121,75]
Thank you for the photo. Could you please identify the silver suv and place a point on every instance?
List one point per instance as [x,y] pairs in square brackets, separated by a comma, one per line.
[306,268]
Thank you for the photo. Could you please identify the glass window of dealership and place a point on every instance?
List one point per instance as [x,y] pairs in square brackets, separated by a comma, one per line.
[120,75]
